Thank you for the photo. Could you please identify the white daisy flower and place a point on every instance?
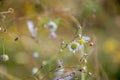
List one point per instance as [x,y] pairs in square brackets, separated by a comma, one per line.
[32,28]
[34,70]
[83,39]
[52,26]
[74,46]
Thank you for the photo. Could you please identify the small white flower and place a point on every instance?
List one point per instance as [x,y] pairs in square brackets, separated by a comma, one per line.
[32,28]
[84,38]
[35,54]
[60,71]
[34,70]
[52,26]
[60,63]
[4,57]
[74,46]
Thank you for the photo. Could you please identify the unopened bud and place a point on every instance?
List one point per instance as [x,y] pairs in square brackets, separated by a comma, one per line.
[90,74]
[91,44]
[85,68]
[85,61]
[4,57]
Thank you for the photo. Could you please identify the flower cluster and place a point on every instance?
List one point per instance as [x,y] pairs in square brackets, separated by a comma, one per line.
[62,72]
[79,43]
[76,44]
[71,72]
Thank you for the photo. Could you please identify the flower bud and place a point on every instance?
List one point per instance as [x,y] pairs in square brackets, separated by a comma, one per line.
[4,57]
[91,44]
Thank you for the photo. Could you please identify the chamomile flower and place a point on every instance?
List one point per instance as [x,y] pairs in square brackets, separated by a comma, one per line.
[52,26]
[83,39]
[74,46]
[32,28]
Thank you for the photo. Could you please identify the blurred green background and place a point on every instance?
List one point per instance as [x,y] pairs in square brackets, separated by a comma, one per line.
[100,19]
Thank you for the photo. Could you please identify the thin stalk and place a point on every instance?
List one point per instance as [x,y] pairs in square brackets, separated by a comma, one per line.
[4,12]
[3,46]
[83,76]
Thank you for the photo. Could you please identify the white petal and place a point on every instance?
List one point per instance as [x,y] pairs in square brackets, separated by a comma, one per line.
[71,50]
[30,23]
[86,38]
[34,32]
[53,35]
[81,46]
[31,28]
[60,62]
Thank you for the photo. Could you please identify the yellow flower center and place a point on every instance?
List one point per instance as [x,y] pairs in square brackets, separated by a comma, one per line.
[81,41]
[74,46]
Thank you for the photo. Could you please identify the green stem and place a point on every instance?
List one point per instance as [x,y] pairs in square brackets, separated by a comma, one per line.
[3,46]
[83,76]
[4,12]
